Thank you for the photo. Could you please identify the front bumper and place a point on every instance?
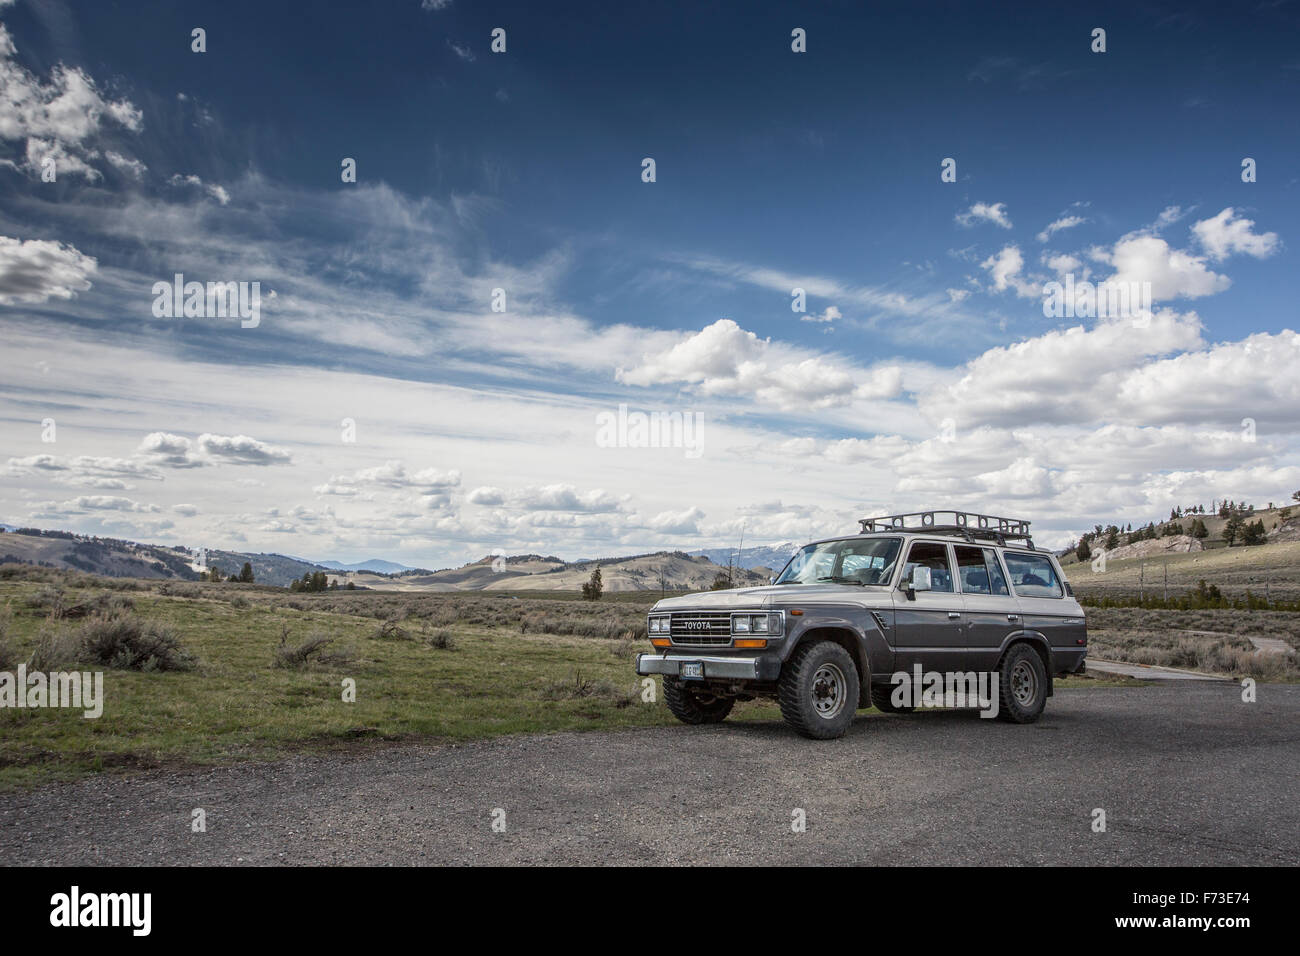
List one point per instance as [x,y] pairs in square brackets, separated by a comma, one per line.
[759,667]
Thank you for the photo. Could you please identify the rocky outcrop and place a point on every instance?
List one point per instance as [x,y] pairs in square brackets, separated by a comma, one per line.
[1174,544]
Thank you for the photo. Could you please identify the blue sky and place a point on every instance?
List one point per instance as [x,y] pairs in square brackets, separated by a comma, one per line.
[923,374]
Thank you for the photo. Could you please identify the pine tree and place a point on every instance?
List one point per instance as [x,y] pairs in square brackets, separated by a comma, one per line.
[1254,533]
[592,590]
[1233,529]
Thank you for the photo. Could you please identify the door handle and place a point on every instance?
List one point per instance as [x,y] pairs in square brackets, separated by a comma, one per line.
[953,615]
[1013,617]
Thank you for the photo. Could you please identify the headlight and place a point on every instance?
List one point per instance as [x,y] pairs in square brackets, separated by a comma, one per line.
[659,625]
[769,624]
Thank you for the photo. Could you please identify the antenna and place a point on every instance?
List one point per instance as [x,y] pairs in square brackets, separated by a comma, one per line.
[735,554]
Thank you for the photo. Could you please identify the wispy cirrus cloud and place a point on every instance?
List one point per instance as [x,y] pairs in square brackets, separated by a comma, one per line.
[1060,225]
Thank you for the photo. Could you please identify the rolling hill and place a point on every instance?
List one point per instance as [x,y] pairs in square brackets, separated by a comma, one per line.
[669,570]
[107,556]
[117,558]
[1266,569]
[1272,567]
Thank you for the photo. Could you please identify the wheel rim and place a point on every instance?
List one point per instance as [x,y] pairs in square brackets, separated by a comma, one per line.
[1024,683]
[828,691]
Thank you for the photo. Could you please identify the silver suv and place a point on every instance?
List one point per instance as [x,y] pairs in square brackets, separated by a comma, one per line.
[848,621]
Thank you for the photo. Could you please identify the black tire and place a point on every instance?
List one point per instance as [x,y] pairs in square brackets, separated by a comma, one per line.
[819,690]
[691,705]
[1022,685]
[880,699]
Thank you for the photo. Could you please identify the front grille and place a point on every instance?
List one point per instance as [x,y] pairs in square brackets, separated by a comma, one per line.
[704,628]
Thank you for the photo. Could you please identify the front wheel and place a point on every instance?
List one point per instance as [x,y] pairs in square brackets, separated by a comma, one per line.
[691,705]
[819,690]
[1022,685]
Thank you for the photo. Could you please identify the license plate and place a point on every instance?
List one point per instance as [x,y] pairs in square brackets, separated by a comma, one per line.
[692,670]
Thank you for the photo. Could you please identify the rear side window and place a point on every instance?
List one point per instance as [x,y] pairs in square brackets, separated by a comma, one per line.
[979,571]
[972,571]
[1032,575]
[996,578]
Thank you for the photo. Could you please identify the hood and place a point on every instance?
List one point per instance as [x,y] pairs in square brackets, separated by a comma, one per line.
[776,595]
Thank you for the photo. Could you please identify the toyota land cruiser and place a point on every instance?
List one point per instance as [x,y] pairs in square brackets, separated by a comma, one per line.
[937,591]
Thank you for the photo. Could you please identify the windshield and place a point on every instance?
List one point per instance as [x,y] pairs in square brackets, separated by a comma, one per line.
[851,561]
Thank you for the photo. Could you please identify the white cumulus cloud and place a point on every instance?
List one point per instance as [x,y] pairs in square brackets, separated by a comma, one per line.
[995,213]
[36,270]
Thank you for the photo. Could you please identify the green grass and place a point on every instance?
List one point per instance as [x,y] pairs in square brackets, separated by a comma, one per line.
[236,705]
[503,674]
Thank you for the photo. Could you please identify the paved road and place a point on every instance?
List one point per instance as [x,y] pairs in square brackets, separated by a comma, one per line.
[1263,645]
[1186,773]
[1148,671]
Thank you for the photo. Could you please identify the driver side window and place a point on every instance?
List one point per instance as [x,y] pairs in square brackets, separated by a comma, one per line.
[927,554]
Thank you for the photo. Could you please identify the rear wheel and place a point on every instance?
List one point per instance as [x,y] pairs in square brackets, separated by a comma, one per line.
[694,705]
[819,690]
[1022,685]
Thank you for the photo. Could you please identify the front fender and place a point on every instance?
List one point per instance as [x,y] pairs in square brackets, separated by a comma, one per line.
[857,630]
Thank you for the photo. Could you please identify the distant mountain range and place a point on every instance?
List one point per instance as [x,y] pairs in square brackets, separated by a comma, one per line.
[772,556]
[378,565]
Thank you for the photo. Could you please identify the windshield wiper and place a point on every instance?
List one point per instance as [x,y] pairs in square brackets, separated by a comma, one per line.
[838,579]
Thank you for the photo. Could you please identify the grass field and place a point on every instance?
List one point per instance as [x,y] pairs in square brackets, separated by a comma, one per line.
[436,667]
[501,674]
[1213,641]
[1272,569]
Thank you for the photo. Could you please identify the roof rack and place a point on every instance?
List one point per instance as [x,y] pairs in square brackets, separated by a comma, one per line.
[965,524]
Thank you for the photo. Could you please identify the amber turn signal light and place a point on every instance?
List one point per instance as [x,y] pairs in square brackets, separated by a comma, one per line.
[661,642]
[754,642]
